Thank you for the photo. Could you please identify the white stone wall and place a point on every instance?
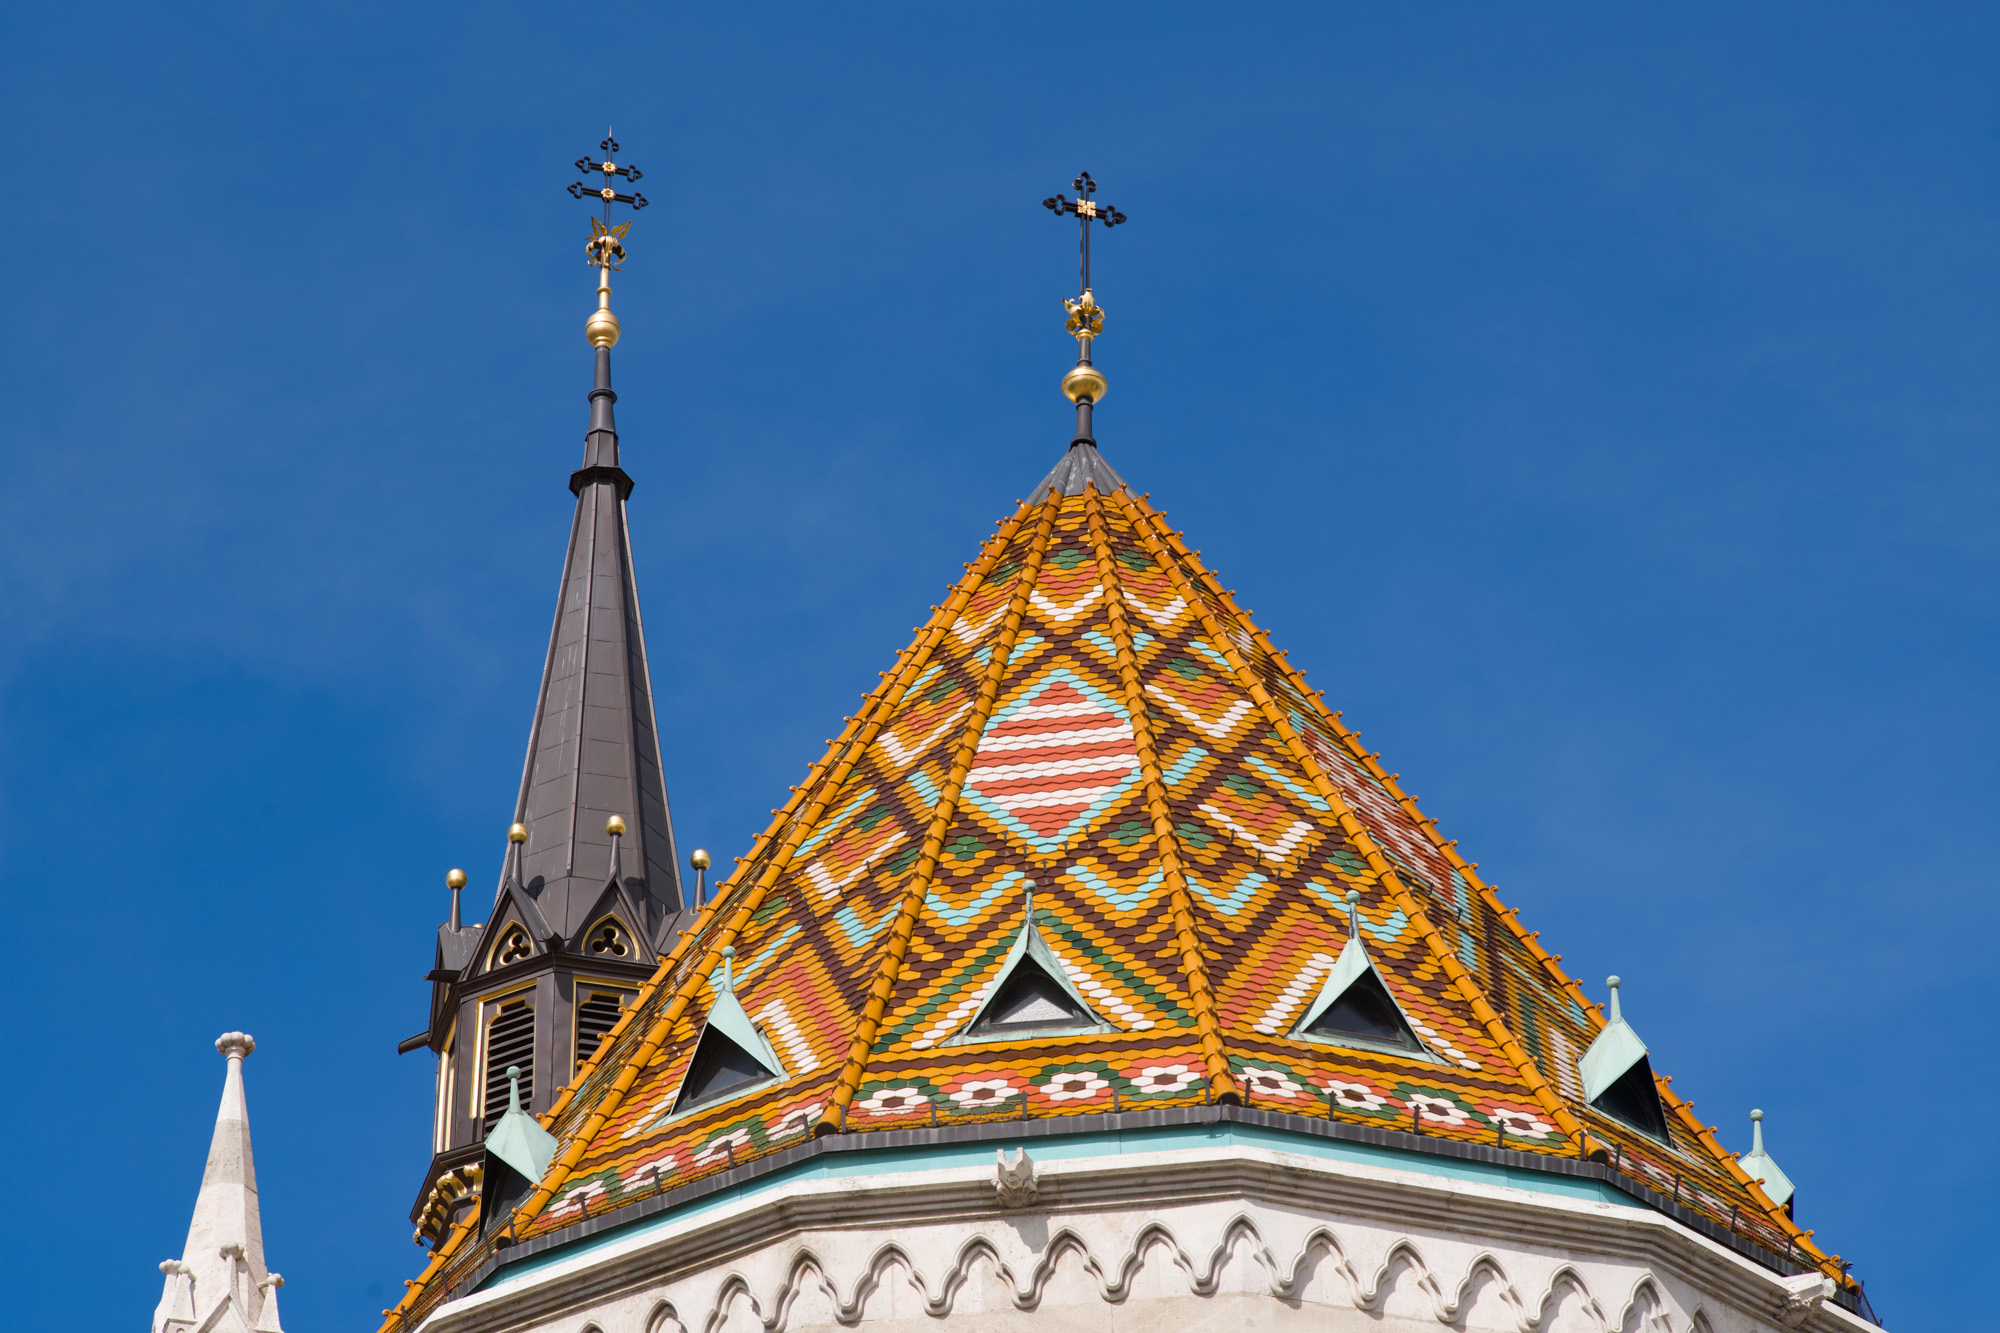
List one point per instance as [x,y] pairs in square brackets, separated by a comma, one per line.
[1182,1242]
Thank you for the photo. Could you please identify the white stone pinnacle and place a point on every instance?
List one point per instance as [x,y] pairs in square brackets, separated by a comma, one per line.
[220,1284]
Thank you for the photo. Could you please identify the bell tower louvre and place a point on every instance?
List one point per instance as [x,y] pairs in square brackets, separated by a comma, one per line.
[589,897]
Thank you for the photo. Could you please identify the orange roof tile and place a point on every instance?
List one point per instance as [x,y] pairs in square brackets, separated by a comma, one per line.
[1090,716]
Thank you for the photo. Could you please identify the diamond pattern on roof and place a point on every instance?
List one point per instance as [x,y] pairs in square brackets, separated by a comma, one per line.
[1090,718]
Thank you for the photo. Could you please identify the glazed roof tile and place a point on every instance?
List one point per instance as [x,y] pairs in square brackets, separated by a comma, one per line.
[1090,717]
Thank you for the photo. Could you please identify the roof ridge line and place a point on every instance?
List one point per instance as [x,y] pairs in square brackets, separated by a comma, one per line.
[884,699]
[1351,741]
[883,987]
[1201,995]
[1474,994]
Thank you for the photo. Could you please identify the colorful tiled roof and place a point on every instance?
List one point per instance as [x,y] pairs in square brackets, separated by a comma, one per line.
[1089,716]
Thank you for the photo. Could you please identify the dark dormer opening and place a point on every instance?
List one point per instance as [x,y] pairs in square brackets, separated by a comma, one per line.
[510,1041]
[597,1012]
[720,1067]
[1365,1012]
[1635,1099]
[1030,1000]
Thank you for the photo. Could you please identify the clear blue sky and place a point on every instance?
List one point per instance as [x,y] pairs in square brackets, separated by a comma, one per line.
[1599,404]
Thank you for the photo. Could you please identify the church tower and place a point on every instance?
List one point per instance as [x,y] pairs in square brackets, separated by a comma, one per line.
[1094,976]
[589,898]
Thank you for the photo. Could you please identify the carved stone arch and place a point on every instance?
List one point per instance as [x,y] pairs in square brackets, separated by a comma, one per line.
[664,1319]
[888,1256]
[963,1263]
[1486,1267]
[1059,1245]
[1320,1240]
[1567,1279]
[733,1286]
[808,1288]
[1647,1310]
[1698,1323]
[1406,1253]
[1240,1228]
[1134,1263]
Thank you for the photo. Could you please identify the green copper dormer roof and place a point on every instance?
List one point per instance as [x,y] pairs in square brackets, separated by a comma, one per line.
[1355,1006]
[1032,990]
[1758,1164]
[517,1138]
[1618,1075]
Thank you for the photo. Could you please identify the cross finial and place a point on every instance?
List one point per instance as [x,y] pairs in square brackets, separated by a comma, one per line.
[606,248]
[1084,385]
[1085,208]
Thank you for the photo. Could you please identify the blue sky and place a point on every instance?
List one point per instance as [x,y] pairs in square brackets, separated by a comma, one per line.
[1599,405]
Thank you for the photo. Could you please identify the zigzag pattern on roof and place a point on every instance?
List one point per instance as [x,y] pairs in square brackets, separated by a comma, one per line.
[1090,717]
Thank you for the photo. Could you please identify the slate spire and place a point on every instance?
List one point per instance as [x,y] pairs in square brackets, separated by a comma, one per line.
[594,746]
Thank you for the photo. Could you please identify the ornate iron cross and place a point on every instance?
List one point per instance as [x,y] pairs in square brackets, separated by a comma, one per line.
[606,248]
[1085,209]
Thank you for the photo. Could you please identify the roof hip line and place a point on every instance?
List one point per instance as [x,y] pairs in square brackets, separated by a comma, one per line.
[1449,850]
[883,987]
[1496,1028]
[1201,996]
[858,735]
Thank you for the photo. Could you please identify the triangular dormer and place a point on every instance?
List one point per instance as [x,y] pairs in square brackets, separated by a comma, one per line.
[1354,1006]
[1031,994]
[731,1055]
[1618,1076]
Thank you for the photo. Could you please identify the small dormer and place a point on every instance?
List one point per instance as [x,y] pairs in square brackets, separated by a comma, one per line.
[1031,995]
[1757,1164]
[1354,1006]
[1618,1076]
[731,1055]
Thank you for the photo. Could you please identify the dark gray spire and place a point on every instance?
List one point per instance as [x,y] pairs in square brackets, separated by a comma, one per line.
[594,749]
[1081,464]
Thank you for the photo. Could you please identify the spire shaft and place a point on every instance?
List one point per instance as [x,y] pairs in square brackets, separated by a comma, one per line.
[224,1257]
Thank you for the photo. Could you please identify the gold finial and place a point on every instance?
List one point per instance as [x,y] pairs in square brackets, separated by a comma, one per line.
[518,833]
[1085,384]
[607,253]
[615,826]
[699,860]
[454,879]
[605,250]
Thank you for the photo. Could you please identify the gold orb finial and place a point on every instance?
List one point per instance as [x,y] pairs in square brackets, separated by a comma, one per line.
[518,833]
[699,860]
[602,327]
[1084,381]
[454,879]
[615,826]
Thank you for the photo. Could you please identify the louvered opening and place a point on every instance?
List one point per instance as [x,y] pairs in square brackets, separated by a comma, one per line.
[510,1041]
[1365,1012]
[597,1012]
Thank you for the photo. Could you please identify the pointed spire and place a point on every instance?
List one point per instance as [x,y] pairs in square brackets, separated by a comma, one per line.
[1085,384]
[594,747]
[223,1262]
